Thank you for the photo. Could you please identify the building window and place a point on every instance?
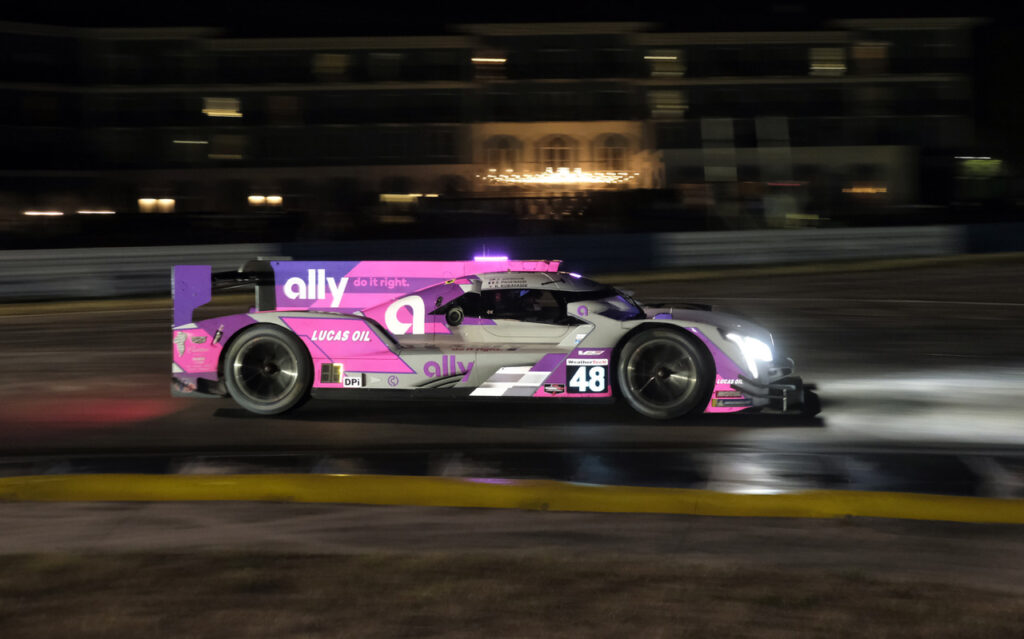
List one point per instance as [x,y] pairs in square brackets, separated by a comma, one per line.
[556,153]
[222,107]
[501,153]
[392,143]
[385,66]
[611,154]
[665,63]
[558,105]
[284,109]
[441,143]
[227,146]
[489,65]
[667,105]
[871,57]
[828,61]
[331,67]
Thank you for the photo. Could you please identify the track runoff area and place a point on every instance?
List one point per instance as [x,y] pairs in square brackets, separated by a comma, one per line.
[912,371]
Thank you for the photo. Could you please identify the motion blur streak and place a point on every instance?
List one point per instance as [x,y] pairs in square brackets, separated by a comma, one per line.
[983,404]
[98,412]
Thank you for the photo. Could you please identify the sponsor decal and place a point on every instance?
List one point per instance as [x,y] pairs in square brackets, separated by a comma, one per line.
[382,282]
[340,336]
[729,394]
[583,353]
[554,389]
[586,362]
[331,373]
[399,327]
[582,310]
[727,381]
[179,342]
[448,365]
[506,282]
[392,380]
[198,339]
[587,378]
[480,349]
[316,286]
[722,403]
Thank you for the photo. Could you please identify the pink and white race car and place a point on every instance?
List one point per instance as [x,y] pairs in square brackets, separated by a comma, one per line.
[486,328]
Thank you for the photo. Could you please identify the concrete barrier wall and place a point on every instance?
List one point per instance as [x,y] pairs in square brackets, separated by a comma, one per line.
[114,272]
[110,272]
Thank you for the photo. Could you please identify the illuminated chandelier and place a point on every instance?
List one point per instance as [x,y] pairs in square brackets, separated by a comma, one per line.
[561,176]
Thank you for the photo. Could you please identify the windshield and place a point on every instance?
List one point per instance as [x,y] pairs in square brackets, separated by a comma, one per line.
[621,305]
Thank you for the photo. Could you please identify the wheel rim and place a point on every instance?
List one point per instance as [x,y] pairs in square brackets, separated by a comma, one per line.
[661,373]
[266,370]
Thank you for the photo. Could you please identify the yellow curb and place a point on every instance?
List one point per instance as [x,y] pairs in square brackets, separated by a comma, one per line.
[387,490]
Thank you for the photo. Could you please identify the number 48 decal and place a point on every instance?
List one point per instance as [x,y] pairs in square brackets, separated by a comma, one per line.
[587,379]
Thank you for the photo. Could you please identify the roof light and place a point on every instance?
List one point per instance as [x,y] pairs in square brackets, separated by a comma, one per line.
[490,258]
[44,213]
[95,212]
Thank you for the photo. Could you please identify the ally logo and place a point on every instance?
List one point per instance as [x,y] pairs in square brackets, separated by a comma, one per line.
[398,327]
[315,287]
[446,367]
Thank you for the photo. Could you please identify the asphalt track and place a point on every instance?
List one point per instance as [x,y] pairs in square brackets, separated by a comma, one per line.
[915,358]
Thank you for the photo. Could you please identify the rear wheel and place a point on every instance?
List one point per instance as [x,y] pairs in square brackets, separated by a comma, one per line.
[662,374]
[267,370]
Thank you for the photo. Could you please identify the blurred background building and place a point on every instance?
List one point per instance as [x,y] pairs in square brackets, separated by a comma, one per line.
[496,128]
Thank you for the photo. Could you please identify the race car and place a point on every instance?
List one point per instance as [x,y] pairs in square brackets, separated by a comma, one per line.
[490,327]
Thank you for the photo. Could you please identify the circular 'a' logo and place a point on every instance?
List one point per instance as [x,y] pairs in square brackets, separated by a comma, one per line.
[393,380]
[582,310]
[414,310]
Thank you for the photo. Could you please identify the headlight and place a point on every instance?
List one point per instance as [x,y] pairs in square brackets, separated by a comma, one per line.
[753,349]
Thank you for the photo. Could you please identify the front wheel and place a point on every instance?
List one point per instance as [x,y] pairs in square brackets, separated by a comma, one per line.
[267,370]
[663,374]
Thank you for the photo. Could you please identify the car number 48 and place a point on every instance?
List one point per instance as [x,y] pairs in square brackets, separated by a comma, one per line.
[588,379]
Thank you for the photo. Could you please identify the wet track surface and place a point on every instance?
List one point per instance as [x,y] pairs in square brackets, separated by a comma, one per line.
[919,360]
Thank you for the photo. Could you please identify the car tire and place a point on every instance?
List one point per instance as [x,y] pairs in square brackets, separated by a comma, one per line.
[267,370]
[663,373]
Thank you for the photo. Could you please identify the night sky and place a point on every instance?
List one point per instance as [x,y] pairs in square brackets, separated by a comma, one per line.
[319,17]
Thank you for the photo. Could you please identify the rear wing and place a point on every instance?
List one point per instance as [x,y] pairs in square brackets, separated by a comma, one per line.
[341,287]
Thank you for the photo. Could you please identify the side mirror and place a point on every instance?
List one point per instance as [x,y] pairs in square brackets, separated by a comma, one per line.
[454,316]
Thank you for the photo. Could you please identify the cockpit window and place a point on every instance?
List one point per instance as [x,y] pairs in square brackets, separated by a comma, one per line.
[527,305]
[622,306]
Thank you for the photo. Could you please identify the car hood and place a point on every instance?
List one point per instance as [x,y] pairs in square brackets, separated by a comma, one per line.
[724,320]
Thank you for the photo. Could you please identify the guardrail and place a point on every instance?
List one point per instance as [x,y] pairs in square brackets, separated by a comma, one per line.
[118,272]
[110,272]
